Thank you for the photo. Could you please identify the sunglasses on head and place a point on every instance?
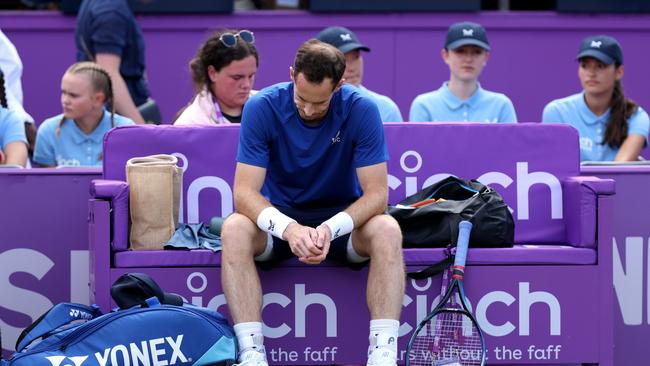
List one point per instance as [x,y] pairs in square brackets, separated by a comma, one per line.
[230,40]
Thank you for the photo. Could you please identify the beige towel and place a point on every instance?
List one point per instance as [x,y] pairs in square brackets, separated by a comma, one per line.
[155,184]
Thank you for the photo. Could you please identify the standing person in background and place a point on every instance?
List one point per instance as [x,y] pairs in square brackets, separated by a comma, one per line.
[13,143]
[74,138]
[462,99]
[348,43]
[611,126]
[316,148]
[108,34]
[12,68]
[223,73]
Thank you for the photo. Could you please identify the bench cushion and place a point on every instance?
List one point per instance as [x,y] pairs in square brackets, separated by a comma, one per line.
[518,255]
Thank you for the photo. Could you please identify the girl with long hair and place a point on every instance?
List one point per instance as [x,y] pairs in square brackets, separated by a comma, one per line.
[611,126]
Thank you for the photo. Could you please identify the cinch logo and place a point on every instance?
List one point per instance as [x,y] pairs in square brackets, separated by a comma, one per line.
[30,301]
[200,186]
[61,161]
[524,304]
[147,352]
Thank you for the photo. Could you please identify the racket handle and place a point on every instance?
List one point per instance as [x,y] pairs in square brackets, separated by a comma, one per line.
[464,229]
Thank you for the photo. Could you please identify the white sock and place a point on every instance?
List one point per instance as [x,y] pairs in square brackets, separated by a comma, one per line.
[249,335]
[384,333]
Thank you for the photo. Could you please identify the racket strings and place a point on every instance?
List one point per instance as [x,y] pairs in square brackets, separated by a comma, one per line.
[449,339]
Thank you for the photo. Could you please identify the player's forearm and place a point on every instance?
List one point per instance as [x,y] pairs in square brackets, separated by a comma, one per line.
[250,203]
[371,203]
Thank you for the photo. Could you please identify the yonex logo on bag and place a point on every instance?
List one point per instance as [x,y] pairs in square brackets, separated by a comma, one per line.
[596,44]
[157,351]
[58,360]
[76,313]
[468,32]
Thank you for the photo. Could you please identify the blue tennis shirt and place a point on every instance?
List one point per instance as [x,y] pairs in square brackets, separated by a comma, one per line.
[72,147]
[311,166]
[388,110]
[573,110]
[12,128]
[443,106]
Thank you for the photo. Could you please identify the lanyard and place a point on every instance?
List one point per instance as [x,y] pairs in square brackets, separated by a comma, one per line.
[220,118]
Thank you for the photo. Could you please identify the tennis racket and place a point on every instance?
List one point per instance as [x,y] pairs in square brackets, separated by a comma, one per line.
[449,335]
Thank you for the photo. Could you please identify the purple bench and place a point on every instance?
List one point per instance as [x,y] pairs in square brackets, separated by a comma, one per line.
[546,300]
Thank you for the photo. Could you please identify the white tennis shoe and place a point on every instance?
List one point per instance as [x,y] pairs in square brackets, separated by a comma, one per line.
[253,352]
[382,350]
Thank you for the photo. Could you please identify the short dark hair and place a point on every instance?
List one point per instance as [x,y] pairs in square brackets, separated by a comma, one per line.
[214,53]
[317,60]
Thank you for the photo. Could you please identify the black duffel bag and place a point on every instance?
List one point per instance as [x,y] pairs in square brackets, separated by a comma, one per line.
[430,217]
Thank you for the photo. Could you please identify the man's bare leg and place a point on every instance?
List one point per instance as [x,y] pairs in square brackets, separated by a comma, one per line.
[241,241]
[381,239]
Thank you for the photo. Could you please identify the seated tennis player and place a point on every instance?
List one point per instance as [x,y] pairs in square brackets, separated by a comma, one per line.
[316,148]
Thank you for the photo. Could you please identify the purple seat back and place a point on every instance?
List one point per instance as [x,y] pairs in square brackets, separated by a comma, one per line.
[526,163]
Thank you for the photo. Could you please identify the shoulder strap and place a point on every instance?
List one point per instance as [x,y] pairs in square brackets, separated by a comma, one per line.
[432,270]
[58,316]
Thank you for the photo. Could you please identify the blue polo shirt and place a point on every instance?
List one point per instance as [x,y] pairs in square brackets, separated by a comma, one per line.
[388,110]
[443,106]
[573,110]
[311,166]
[109,26]
[72,147]
[12,128]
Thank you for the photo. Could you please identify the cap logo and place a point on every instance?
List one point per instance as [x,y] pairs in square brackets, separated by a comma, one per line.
[468,32]
[596,44]
[345,37]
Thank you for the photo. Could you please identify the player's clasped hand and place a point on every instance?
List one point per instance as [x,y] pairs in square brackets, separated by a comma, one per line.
[322,242]
[302,240]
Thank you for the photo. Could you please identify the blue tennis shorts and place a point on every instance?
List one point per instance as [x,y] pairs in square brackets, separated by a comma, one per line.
[340,248]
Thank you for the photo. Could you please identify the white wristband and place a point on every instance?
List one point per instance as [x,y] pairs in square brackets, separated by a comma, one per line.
[340,224]
[274,222]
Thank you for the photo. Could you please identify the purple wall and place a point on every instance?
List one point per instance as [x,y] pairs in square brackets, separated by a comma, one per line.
[532,57]
[44,243]
[631,261]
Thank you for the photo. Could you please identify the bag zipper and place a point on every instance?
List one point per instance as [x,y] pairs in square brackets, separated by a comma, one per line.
[448,183]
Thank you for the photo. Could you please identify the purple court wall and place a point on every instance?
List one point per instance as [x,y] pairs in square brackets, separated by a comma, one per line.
[532,58]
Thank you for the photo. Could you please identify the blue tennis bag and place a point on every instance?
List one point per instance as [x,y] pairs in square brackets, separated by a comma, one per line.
[153,329]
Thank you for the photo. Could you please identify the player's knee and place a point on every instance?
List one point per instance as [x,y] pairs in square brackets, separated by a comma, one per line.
[389,230]
[236,232]
[386,237]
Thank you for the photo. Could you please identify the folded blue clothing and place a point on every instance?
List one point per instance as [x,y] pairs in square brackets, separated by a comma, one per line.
[194,236]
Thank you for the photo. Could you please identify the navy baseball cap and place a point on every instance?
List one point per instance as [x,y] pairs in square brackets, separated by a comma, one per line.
[605,49]
[466,33]
[342,38]
[132,289]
